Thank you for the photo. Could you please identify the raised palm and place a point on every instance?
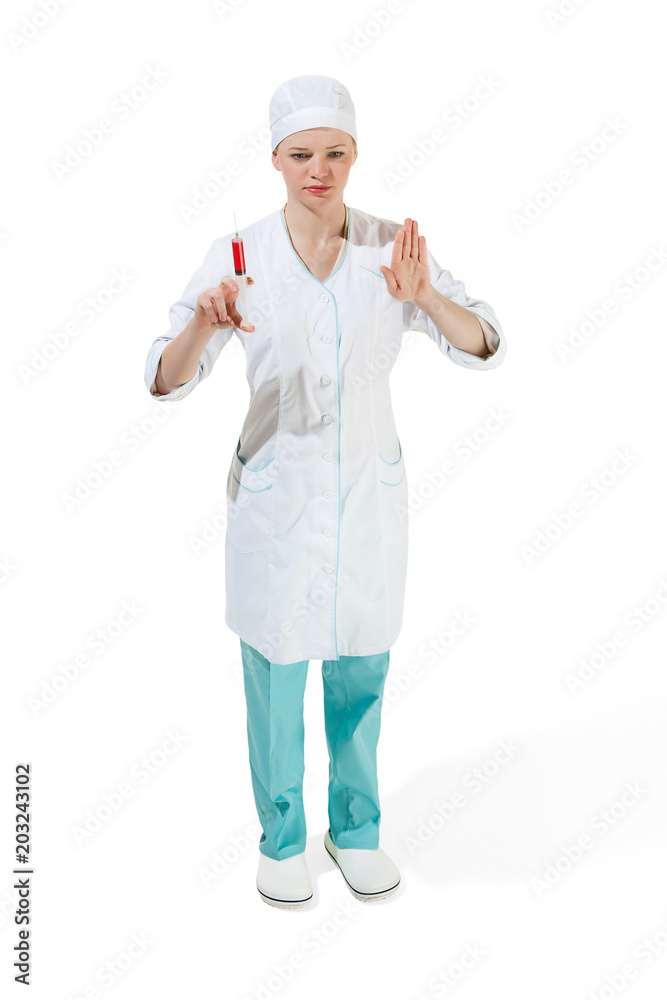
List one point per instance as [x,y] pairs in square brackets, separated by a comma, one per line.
[409,276]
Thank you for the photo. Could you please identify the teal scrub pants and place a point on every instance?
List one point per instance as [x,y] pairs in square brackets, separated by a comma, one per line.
[353,687]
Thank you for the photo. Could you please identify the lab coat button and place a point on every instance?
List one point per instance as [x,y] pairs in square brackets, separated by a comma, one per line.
[326,456]
[328,494]
[325,380]
[327,531]
[326,419]
[324,297]
[328,569]
[326,339]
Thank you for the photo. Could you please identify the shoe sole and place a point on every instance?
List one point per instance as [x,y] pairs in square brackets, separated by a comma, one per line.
[363,896]
[284,904]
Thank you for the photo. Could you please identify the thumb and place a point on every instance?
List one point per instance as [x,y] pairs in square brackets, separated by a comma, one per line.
[389,277]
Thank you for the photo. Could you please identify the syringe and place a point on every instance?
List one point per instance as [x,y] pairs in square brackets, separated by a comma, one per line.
[241,279]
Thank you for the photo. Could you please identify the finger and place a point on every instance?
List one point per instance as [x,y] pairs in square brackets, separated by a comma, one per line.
[230,283]
[423,253]
[398,248]
[218,299]
[238,320]
[210,314]
[211,310]
[230,289]
[414,251]
[390,279]
[407,242]
[243,325]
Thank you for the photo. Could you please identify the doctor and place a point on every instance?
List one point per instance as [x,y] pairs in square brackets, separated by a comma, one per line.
[317,495]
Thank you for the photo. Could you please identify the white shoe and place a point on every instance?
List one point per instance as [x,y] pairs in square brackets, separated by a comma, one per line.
[284,883]
[370,874]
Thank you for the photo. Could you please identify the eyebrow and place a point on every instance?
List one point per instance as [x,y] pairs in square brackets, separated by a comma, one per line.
[305,148]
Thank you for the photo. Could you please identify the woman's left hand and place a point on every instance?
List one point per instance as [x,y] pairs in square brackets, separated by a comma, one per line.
[409,276]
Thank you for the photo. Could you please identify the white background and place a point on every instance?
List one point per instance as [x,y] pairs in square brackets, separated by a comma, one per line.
[478,881]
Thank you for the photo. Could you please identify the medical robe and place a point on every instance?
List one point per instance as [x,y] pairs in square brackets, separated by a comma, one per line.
[317,495]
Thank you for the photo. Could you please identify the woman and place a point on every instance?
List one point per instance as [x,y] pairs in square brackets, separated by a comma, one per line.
[317,535]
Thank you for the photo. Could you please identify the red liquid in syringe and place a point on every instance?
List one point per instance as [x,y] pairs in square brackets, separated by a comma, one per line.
[242,281]
[239,256]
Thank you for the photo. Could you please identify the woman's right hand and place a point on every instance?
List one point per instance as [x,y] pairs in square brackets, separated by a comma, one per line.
[216,307]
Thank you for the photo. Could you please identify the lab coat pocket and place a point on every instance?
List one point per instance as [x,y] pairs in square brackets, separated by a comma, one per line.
[249,505]
[393,496]
[372,277]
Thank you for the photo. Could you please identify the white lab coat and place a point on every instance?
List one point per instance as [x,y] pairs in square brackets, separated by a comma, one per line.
[317,530]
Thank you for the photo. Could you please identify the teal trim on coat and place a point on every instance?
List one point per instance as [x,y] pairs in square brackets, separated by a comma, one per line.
[323,283]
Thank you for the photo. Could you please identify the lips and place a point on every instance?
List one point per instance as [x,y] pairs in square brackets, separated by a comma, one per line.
[318,187]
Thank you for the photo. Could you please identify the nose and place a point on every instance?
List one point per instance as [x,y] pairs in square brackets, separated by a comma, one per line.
[318,167]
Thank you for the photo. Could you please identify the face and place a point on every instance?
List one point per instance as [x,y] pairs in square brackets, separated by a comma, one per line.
[315,157]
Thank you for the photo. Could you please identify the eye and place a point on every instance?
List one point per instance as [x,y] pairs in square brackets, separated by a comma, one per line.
[336,153]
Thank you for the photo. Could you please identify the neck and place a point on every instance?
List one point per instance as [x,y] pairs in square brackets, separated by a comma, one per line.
[315,225]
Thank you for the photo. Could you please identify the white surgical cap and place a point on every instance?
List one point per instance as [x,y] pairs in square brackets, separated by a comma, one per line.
[306,102]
